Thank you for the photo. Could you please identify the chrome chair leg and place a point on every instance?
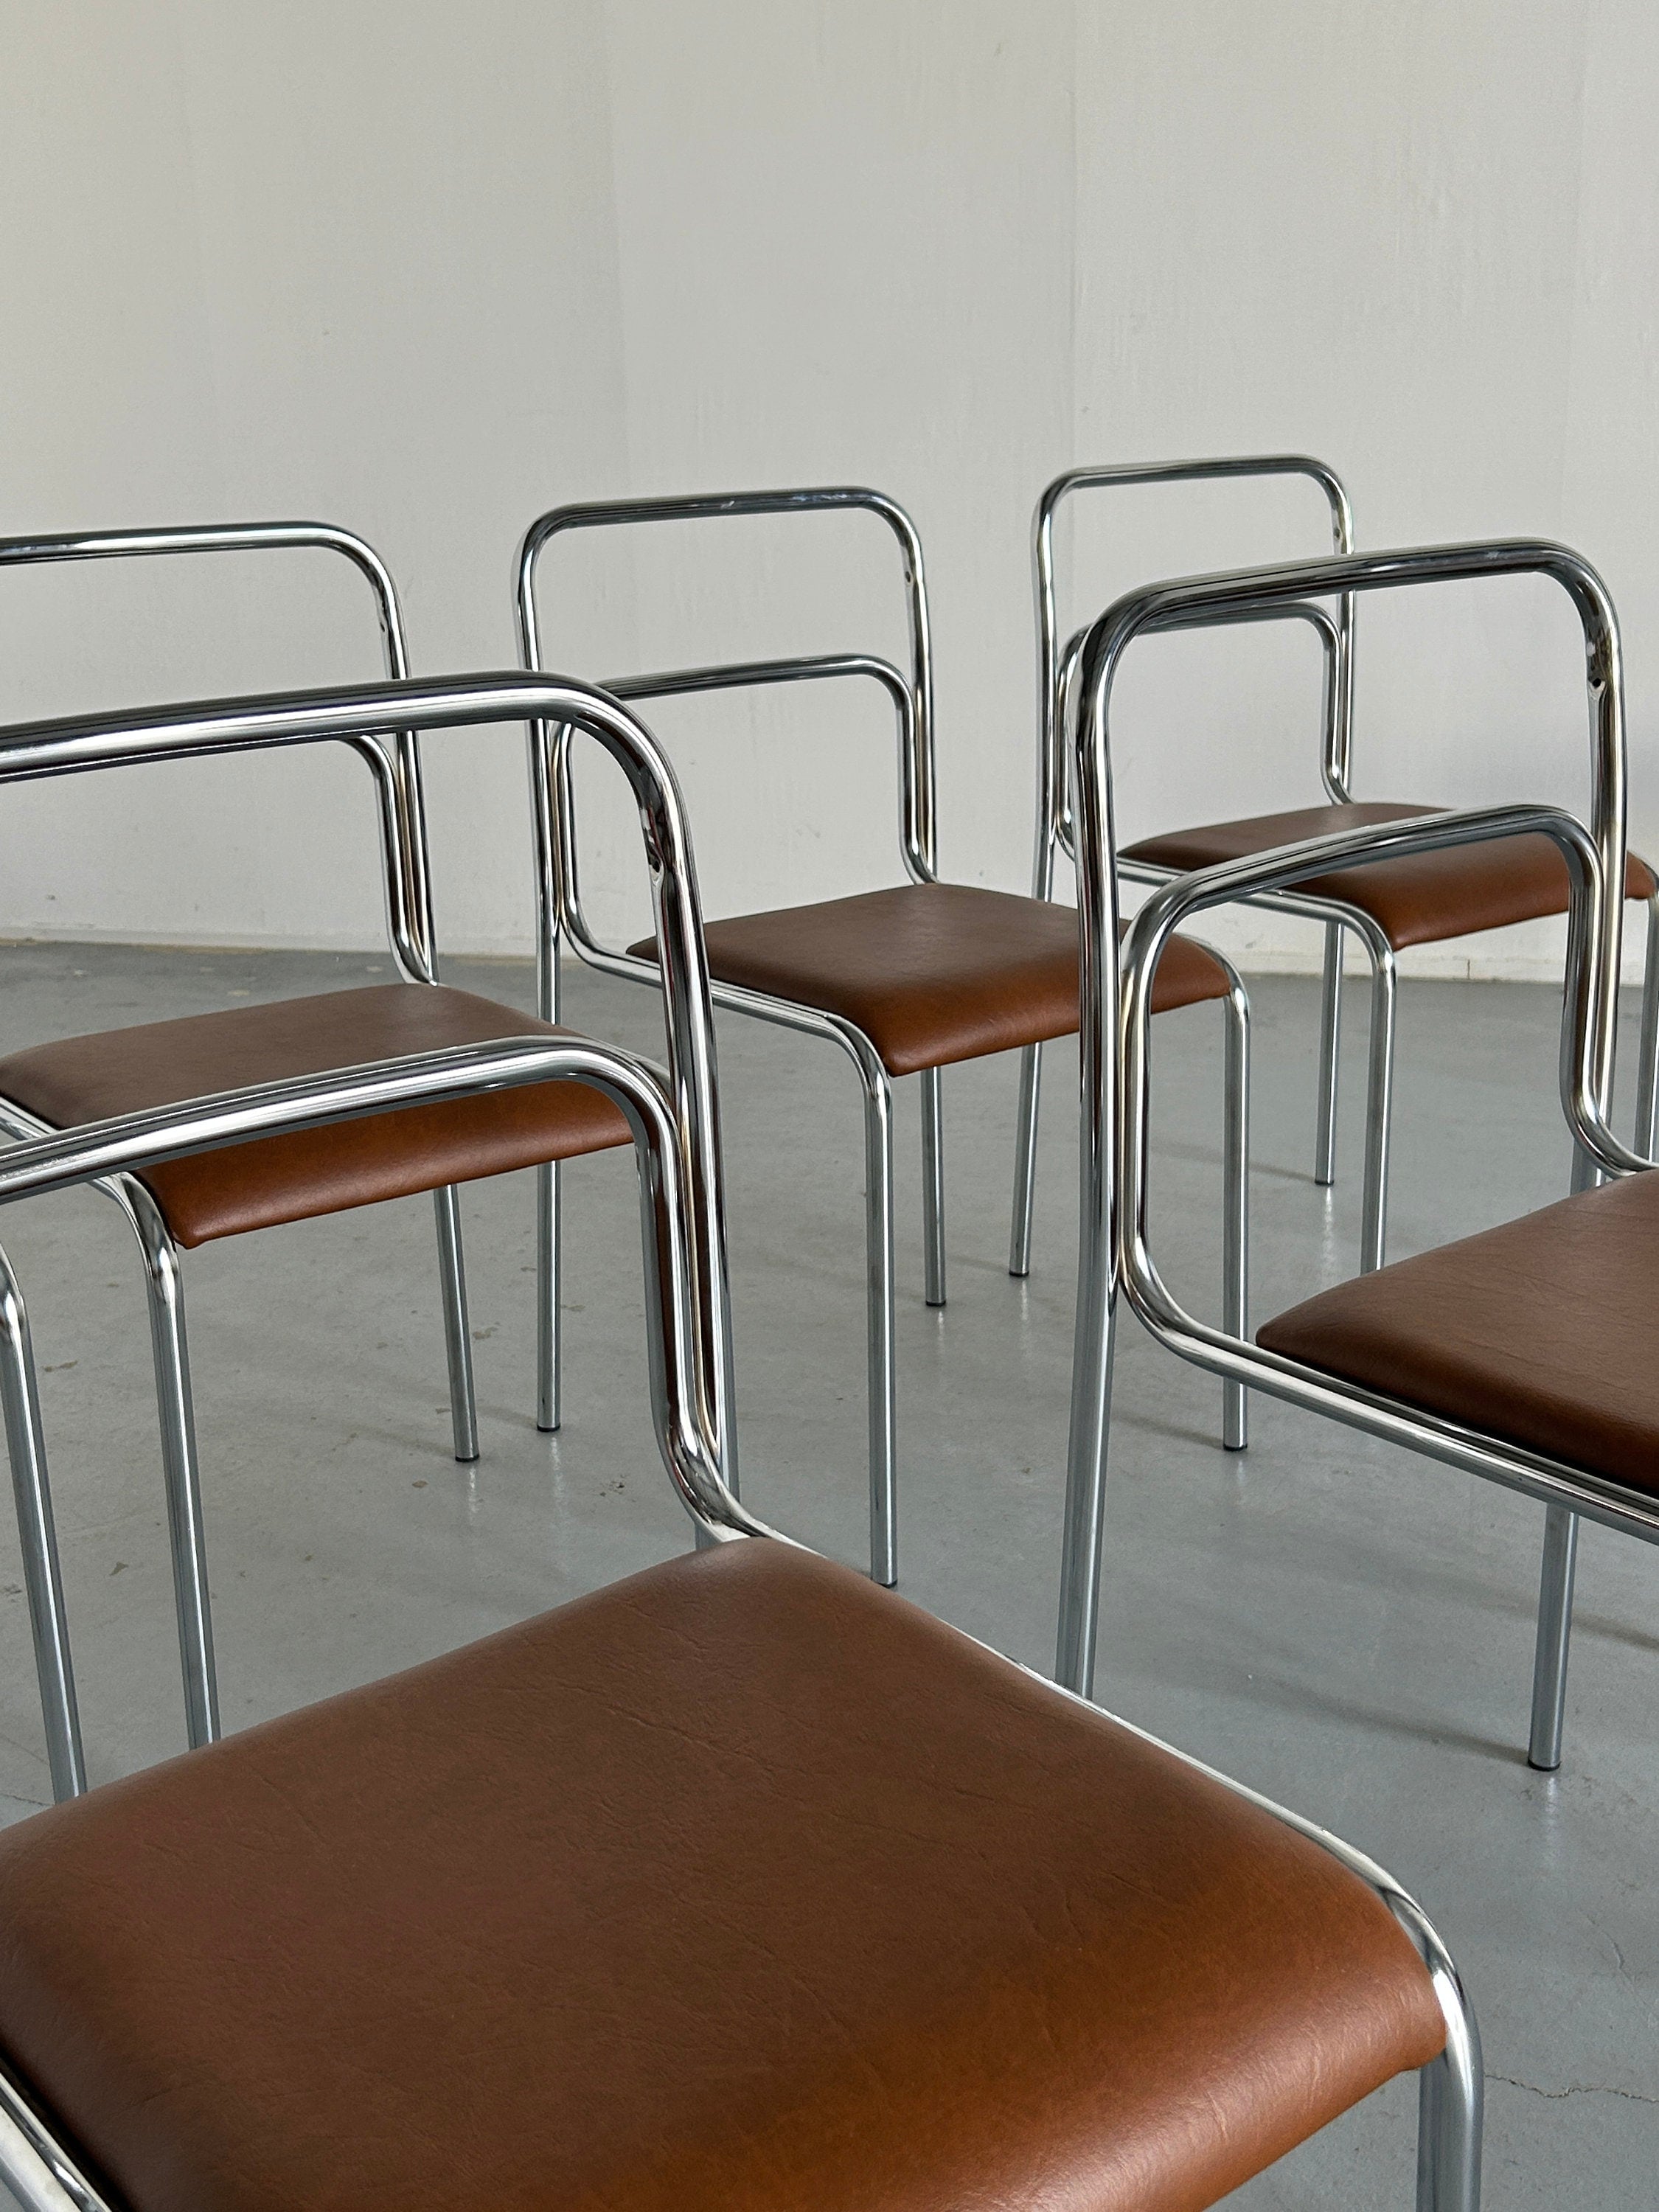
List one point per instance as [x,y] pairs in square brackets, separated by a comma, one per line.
[1549,1673]
[38,1538]
[180,1468]
[457,1336]
[1236,1203]
[1084,1535]
[883,1373]
[1647,1079]
[1452,2092]
[549,1337]
[1379,1102]
[1093,1335]
[1330,1051]
[1025,1136]
[933,1183]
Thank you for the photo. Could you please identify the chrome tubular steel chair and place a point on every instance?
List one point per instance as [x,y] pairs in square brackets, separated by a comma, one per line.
[396,769]
[1421,899]
[905,980]
[292,1177]
[1521,1354]
[523,1926]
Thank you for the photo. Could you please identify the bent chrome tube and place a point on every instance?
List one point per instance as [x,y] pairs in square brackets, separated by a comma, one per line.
[559,907]
[249,725]
[1054,833]
[918,833]
[1052,809]
[557,883]
[678,1313]
[394,764]
[396,770]
[1593,925]
[1582,1014]
[1246,592]
[1325,627]
[705,507]
[1552,1483]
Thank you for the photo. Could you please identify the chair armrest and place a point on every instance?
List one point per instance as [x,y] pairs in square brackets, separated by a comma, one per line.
[129,1143]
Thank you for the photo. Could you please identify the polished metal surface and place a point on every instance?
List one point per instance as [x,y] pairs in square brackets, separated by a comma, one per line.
[1330,1056]
[65,746]
[1235,1199]
[1647,1067]
[1056,673]
[19,1399]
[1549,1673]
[181,1469]
[393,760]
[560,911]
[1595,872]
[679,1311]
[458,1335]
[41,2173]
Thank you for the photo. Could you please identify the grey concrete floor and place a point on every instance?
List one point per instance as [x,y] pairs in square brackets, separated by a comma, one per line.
[1335,1622]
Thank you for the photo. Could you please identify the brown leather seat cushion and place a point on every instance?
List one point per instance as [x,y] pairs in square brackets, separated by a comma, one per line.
[317,1171]
[1420,901]
[933,972]
[1540,1332]
[738,1886]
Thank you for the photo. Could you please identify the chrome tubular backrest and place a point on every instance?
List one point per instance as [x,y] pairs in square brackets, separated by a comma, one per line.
[558,882]
[1596,863]
[353,715]
[1054,825]
[393,759]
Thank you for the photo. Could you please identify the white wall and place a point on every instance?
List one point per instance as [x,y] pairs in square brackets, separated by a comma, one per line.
[425,271]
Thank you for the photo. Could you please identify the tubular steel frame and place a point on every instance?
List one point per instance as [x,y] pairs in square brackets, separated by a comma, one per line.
[394,759]
[559,909]
[681,1219]
[1054,832]
[353,716]
[1116,1071]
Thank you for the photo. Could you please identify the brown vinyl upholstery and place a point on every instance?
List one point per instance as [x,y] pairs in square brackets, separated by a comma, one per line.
[738,1886]
[1422,900]
[327,1171]
[1539,1332]
[933,972]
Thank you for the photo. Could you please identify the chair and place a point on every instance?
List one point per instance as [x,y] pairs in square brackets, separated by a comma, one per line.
[1424,899]
[739,1884]
[293,1177]
[1522,1354]
[906,980]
